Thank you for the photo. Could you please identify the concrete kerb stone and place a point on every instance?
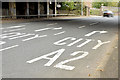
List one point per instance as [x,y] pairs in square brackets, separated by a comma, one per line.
[8,20]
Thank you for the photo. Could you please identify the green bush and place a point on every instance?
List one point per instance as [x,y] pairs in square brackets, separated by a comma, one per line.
[95,12]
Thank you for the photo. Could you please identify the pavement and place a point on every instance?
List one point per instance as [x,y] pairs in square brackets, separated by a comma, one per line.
[60,48]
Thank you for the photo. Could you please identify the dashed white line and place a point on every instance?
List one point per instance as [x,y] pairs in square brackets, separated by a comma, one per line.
[94,23]
[59,33]
[9,33]
[82,26]
[57,28]
[9,47]
[21,36]
[42,36]
[3,37]
[2,42]
[1,28]
[42,29]
[36,36]
[13,27]
[15,30]
[52,24]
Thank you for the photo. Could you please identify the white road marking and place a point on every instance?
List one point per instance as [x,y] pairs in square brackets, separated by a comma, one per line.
[66,67]
[51,60]
[36,36]
[60,33]
[9,33]
[60,42]
[3,37]
[15,30]
[82,26]
[1,28]
[2,42]
[42,36]
[93,32]
[57,28]
[75,42]
[42,29]
[13,27]
[21,36]
[84,43]
[94,23]
[52,24]
[100,43]
[9,47]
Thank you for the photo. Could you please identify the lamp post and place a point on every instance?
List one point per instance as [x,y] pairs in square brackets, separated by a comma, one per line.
[82,7]
[101,9]
[47,8]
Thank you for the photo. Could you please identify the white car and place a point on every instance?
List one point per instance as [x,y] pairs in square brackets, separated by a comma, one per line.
[108,13]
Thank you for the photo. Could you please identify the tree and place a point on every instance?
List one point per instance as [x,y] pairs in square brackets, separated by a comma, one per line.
[119,4]
[68,6]
[98,4]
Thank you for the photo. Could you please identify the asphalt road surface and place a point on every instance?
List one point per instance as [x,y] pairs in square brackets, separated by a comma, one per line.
[58,48]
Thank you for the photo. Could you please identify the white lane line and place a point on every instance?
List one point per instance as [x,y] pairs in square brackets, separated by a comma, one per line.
[59,33]
[3,37]
[94,23]
[82,26]
[42,36]
[13,27]
[57,28]
[21,36]
[9,33]
[36,36]
[1,28]
[9,47]
[52,24]
[42,29]
[14,30]
[2,42]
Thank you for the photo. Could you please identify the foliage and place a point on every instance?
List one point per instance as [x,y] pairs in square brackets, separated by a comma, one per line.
[99,4]
[68,6]
[119,4]
[95,12]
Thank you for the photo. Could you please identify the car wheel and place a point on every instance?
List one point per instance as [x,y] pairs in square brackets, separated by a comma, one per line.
[111,15]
